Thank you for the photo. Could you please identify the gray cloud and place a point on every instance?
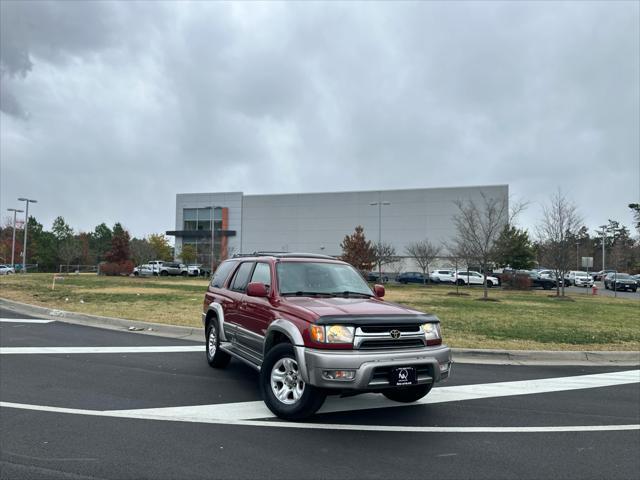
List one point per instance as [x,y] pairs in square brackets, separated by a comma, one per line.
[109,109]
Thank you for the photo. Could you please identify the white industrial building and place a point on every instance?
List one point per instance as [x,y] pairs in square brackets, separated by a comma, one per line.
[318,222]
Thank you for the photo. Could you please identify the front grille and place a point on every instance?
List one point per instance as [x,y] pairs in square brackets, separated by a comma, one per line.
[386,328]
[388,344]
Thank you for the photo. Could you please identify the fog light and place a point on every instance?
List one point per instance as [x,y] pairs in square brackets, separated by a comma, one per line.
[444,367]
[344,375]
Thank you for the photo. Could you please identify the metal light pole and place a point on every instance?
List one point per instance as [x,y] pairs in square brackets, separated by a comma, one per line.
[13,240]
[604,230]
[379,204]
[212,208]
[577,257]
[26,224]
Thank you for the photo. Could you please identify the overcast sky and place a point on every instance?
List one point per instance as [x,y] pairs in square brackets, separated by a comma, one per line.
[110,109]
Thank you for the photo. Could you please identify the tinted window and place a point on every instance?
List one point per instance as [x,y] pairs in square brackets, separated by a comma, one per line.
[262,274]
[222,272]
[242,277]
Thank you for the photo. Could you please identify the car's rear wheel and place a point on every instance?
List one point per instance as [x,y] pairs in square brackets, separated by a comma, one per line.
[284,391]
[164,273]
[215,357]
[408,394]
[460,282]
[184,274]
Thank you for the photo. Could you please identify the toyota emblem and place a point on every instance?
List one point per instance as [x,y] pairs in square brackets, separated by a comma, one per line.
[395,333]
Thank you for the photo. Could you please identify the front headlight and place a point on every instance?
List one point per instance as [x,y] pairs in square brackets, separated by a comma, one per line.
[432,333]
[332,333]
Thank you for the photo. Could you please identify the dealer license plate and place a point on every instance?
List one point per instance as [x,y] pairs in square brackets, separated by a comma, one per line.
[403,376]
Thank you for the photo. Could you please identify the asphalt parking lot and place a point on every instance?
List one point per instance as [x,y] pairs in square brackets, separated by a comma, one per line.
[80,402]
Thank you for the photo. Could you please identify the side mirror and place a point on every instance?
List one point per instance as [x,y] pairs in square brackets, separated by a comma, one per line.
[257,289]
[378,290]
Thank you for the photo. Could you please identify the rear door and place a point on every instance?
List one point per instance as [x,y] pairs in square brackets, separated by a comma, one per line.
[235,296]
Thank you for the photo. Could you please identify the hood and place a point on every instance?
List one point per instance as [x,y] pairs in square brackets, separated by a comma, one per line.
[311,308]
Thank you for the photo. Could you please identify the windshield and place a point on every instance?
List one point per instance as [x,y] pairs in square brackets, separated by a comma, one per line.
[318,278]
[582,274]
[621,275]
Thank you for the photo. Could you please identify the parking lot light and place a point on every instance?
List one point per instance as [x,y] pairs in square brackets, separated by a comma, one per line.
[13,240]
[26,225]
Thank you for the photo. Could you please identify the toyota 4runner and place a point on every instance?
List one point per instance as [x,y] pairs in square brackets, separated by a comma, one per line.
[312,327]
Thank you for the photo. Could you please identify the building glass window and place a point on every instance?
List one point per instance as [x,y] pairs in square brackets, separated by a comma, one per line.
[190,217]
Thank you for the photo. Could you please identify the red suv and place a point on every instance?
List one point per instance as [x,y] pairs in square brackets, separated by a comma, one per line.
[311,326]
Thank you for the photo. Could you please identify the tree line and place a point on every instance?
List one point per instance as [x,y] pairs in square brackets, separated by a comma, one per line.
[111,247]
[487,237]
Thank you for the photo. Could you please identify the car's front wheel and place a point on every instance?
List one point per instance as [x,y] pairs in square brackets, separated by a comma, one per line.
[408,394]
[284,391]
[215,357]
[489,283]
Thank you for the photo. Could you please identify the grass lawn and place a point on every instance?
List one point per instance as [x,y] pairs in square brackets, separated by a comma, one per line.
[519,320]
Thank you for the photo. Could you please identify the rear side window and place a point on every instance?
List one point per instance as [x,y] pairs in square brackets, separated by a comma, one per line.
[262,274]
[241,279]
[222,272]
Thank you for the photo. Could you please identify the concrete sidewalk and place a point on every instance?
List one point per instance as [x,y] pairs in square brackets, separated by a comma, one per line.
[460,355]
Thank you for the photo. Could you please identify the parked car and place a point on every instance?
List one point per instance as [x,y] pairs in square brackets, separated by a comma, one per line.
[598,276]
[411,277]
[441,276]
[144,270]
[538,281]
[581,279]
[550,274]
[7,270]
[375,277]
[620,281]
[311,326]
[469,277]
[194,270]
[173,268]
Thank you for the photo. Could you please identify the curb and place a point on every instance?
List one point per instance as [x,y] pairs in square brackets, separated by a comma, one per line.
[109,323]
[460,355]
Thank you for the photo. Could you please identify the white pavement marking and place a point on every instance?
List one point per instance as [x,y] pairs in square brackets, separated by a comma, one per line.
[326,426]
[241,413]
[251,410]
[62,350]
[24,320]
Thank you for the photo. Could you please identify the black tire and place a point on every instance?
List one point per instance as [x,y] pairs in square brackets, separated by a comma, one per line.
[408,394]
[135,274]
[215,357]
[184,274]
[489,283]
[164,273]
[460,282]
[309,402]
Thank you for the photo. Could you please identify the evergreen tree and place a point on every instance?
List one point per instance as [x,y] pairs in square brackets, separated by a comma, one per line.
[514,249]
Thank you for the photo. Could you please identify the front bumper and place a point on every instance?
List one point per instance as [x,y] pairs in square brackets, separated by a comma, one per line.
[584,283]
[372,368]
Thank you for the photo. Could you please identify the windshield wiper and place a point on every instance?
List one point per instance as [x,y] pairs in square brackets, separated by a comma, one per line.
[302,293]
[348,293]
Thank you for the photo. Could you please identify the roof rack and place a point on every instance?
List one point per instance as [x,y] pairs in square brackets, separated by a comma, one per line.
[283,255]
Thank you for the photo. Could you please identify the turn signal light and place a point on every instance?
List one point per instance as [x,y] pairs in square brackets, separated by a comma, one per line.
[317,333]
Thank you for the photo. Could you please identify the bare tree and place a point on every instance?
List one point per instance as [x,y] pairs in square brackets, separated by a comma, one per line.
[384,254]
[478,226]
[69,249]
[424,253]
[556,232]
[141,250]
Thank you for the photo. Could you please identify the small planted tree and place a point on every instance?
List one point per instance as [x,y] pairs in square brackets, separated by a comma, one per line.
[141,250]
[118,257]
[188,254]
[478,225]
[557,230]
[384,254]
[424,253]
[161,247]
[357,250]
